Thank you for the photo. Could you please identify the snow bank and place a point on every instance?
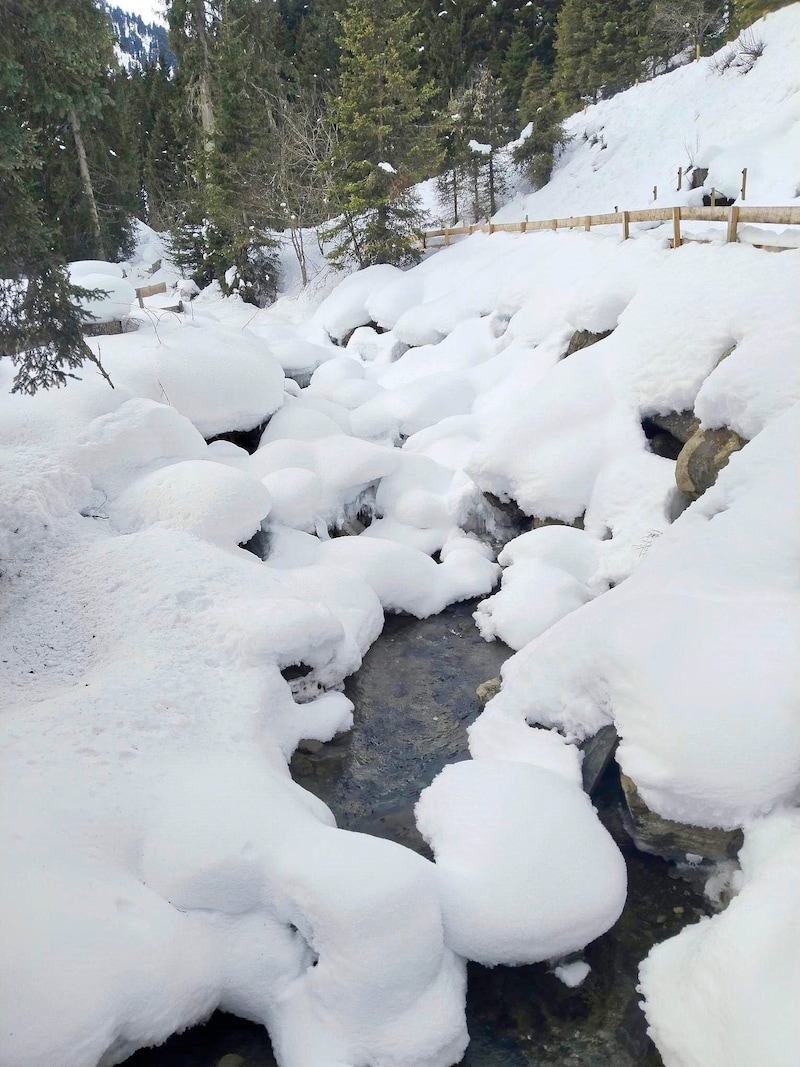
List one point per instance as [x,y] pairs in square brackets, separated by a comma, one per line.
[682,653]
[723,993]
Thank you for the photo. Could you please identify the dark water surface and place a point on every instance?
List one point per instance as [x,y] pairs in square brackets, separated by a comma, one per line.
[414,697]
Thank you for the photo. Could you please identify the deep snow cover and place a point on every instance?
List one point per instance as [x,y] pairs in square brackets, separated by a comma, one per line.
[159,861]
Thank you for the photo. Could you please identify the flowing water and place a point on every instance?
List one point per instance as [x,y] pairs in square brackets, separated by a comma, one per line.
[414,697]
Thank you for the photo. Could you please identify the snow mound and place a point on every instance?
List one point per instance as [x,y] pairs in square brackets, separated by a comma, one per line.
[525,868]
[218,378]
[115,302]
[209,500]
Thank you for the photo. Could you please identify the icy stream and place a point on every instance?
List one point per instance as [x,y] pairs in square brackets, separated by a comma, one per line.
[414,696]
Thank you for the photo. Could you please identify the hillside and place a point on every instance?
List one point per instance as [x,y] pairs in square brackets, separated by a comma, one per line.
[597,437]
[138,43]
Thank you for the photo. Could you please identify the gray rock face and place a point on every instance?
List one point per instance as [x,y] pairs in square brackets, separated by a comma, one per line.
[674,840]
[680,424]
[583,339]
[703,457]
[597,752]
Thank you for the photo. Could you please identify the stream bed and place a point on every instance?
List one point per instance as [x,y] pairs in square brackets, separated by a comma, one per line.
[414,698]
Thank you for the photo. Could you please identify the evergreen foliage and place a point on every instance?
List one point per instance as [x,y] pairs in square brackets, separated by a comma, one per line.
[601,48]
[40,83]
[382,146]
[539,107]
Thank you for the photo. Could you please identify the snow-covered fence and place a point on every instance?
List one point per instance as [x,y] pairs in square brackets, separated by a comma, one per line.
[733,216]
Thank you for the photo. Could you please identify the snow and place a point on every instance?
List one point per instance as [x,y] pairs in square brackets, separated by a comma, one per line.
[572,974]
[525,869]
[723,992]
[115,303]
[150,826]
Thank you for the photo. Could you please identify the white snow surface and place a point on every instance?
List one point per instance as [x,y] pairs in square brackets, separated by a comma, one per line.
[159,860]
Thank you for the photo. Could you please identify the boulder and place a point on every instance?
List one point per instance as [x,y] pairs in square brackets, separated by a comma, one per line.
[674,840]
[488,689]
[679,424]
[703,457]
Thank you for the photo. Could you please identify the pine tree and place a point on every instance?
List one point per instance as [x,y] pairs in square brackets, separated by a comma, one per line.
[539,107]
[40,321]
[228,76]
[383,147]
[515,65]
[600,49]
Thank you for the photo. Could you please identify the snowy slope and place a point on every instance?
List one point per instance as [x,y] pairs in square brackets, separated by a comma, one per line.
[159,860]
[697,116]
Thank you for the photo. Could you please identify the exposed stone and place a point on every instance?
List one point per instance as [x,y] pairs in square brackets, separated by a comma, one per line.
[703,457]
[512,511]
[698,178]
[680,424]
[597,753]
[674,840]
[576,524]
[309,746]
[102,329]
[231,1059]
[583,339]
[488,689]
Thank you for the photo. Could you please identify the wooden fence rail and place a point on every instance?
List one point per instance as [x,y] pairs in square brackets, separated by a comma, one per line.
[733,216]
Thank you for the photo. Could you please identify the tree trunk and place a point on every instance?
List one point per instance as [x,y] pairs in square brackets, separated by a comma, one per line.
[492,204]
[86,182]
[455,196]
[207,122]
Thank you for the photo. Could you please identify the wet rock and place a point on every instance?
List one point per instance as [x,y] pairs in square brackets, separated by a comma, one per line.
[674,840]
[703,457]
[309,746]
[488,689]
[583,339]
[231,1059]
[597,753]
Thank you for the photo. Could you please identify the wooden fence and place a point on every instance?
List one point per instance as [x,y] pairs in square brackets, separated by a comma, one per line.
[732,216]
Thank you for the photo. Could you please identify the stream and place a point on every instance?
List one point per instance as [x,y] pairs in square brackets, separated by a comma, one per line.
[414,697]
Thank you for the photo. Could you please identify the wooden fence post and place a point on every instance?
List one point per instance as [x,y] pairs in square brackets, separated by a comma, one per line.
[744,182]
[733,223]
[523,226]
[587,223]
[625,226]
[676,227]
[713,196]
[491,227]
[554,224]
[680,178]
[446,235]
